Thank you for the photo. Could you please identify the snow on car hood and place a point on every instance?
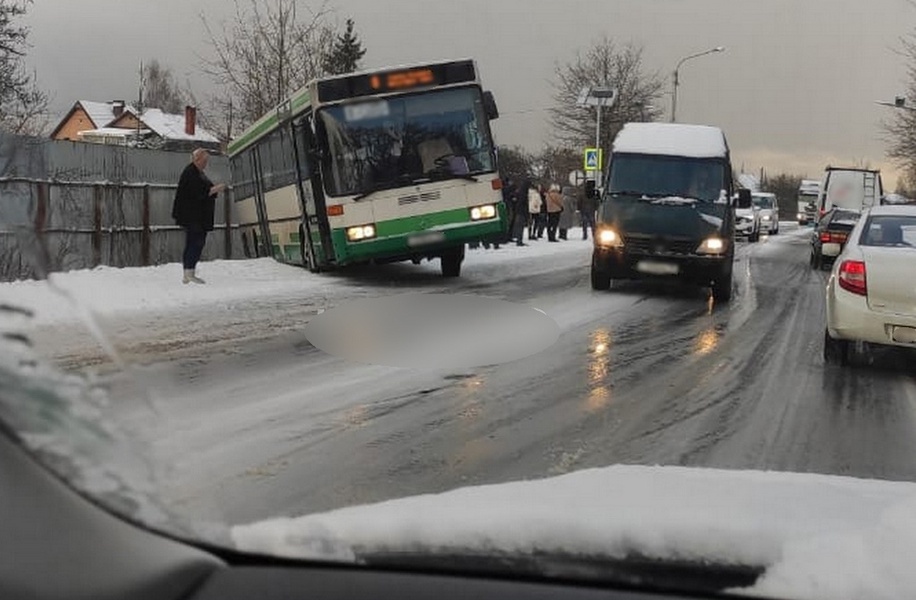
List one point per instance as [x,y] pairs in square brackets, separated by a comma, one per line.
[816,536]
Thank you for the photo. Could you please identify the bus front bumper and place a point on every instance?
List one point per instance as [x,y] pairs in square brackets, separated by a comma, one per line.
[428,243]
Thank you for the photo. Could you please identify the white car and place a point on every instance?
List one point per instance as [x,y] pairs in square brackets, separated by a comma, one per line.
[871,293]
[767,210]
[747,223]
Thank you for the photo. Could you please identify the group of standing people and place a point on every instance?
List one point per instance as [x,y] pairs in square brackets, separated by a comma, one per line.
[547,208]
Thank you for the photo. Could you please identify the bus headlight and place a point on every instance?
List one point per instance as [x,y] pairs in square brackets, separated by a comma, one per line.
[608,238]
[712,245]
[479,213]
[360,233]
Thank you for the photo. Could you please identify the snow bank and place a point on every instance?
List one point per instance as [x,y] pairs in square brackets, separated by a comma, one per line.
[110,291]
[818,536]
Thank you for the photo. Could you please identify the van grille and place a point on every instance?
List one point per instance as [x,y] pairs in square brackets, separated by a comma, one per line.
[659,245]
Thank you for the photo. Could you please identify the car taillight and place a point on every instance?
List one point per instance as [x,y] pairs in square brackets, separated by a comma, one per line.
[833,237]
[852,277]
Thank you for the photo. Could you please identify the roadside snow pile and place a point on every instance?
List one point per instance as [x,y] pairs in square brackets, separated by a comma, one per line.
[110,291]
[817,536]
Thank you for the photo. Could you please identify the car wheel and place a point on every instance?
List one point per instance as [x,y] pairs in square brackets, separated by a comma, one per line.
[836,351]
[817,261]
[601,281]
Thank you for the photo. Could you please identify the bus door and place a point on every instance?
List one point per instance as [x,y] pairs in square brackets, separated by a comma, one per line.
[318,218]
[264,243]
[313,255]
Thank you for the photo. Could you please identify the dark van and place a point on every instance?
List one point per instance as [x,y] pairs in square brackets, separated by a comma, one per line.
[668,208]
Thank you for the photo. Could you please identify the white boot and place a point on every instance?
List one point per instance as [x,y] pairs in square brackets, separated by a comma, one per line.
[195,278]
[188,274]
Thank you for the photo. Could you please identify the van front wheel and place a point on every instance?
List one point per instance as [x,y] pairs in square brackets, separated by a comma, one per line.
[601,281]
[722,287]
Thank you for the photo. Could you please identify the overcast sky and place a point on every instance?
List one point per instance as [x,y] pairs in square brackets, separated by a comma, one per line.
[794,90]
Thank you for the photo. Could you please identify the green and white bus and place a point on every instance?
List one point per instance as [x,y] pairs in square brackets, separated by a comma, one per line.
[372,167]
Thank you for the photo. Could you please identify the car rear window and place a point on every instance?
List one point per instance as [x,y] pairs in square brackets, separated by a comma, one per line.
[889,231]
[846,217]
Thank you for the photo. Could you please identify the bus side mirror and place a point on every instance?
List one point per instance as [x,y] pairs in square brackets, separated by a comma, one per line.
[744,199]
[489,106]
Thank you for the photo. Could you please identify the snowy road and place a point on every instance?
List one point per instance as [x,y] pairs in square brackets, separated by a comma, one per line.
[247,420]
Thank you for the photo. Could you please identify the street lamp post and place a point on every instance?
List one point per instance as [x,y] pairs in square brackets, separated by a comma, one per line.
[899,103]
[676,82]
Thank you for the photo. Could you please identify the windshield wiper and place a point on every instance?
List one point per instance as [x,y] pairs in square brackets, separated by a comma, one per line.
[433,176]
[637,194]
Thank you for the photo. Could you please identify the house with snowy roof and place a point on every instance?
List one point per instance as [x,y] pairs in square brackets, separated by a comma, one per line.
[121,124]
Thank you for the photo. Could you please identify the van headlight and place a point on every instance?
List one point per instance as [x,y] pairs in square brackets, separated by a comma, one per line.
[765,217]
[712,245]
[360,233]
[608,238]
[480,213]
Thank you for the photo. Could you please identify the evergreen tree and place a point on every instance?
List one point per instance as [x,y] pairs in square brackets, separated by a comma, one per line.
[347,52]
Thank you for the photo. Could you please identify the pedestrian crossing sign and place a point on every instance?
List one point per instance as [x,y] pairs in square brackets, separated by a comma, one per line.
[593,159]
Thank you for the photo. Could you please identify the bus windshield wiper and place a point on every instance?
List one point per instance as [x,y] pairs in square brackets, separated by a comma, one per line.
[447,176]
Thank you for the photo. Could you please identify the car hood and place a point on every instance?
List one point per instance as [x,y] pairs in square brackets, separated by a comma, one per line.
[812,535]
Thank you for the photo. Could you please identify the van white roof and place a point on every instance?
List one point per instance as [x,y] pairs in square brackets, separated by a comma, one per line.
[672,139]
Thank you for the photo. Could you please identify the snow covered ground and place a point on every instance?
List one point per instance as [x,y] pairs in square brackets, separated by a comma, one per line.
[818,536]
[108,291]
[149,313]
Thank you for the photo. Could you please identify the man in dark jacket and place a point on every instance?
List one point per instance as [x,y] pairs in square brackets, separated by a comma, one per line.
[195,203]
[521,212]
[588,206]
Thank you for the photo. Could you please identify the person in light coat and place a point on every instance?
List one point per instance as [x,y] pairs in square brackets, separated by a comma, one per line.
[554,209]
[534,209]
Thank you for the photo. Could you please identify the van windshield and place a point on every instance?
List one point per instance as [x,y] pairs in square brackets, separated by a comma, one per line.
[661,176]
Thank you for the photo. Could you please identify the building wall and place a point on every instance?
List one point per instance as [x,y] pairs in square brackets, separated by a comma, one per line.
[126,121]
[78,121]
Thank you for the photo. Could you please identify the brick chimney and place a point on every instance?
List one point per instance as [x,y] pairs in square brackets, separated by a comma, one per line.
[117,108]
[190,120]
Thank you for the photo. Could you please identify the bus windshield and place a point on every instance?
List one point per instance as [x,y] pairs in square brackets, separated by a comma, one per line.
[662,176]
[388,142]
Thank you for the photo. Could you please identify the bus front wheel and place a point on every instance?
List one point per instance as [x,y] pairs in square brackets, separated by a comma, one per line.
[451,262]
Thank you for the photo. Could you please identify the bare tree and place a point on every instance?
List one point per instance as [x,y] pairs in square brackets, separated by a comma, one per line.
[160,90]
[515,163]
[556,162]
[23,106]
[603,64]
[901,129]
[268,50]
